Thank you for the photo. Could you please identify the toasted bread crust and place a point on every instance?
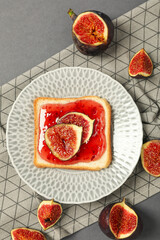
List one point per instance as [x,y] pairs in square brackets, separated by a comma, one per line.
[94,165]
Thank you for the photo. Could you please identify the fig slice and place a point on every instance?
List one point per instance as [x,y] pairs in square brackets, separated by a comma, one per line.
[81,120]
[122,220]
[150,157]
[119,221]
[140,65]
[64,140]
[26,234]
[48,213]
[92,31]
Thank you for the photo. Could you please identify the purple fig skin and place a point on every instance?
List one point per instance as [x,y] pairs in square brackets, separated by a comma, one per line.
[87,49]
[103,222]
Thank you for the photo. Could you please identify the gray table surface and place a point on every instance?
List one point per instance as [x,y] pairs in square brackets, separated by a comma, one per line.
[32,31]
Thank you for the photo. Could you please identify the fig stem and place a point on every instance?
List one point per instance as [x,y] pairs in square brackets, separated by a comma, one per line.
[72,14]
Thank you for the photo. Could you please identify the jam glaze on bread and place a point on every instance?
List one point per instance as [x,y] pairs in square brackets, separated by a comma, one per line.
[102,158]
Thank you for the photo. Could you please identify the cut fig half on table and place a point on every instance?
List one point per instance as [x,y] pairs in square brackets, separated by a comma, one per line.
[81,120]
[140,65]
[150,157]
[48,213]
[92,31]
[119,221]
[26,233]
[64,140]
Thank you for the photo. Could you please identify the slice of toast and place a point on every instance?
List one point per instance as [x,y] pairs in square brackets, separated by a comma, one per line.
[97,164]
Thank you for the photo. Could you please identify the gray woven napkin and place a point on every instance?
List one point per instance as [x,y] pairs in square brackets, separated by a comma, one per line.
[134,30]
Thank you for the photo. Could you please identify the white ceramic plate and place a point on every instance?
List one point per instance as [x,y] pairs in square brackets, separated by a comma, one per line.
[69,186]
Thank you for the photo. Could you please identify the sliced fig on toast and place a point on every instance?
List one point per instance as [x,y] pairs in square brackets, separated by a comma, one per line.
[26,234]
[150,157]
[140,65]
[48,213]
[81,120]
[64,140]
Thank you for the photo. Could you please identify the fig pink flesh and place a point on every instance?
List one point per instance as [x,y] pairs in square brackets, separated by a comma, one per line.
[121,221]
[80,120]
[151,158]
[49,214]
[141,64]
[26,234]
[89,28]
[63,140]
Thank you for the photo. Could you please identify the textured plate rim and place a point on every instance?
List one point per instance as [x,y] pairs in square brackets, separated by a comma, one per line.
[138,120]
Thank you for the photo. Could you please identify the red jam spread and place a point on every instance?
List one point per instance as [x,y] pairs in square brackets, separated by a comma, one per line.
[90,151]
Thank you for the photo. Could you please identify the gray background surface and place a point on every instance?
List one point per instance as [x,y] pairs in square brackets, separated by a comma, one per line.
[32,31]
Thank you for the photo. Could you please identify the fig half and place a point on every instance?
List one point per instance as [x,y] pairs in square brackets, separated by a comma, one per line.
[26,234]
[48,213]
[119,221]
[92,31]
[64,140]
[140,65]
[150,157]
[81,120]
